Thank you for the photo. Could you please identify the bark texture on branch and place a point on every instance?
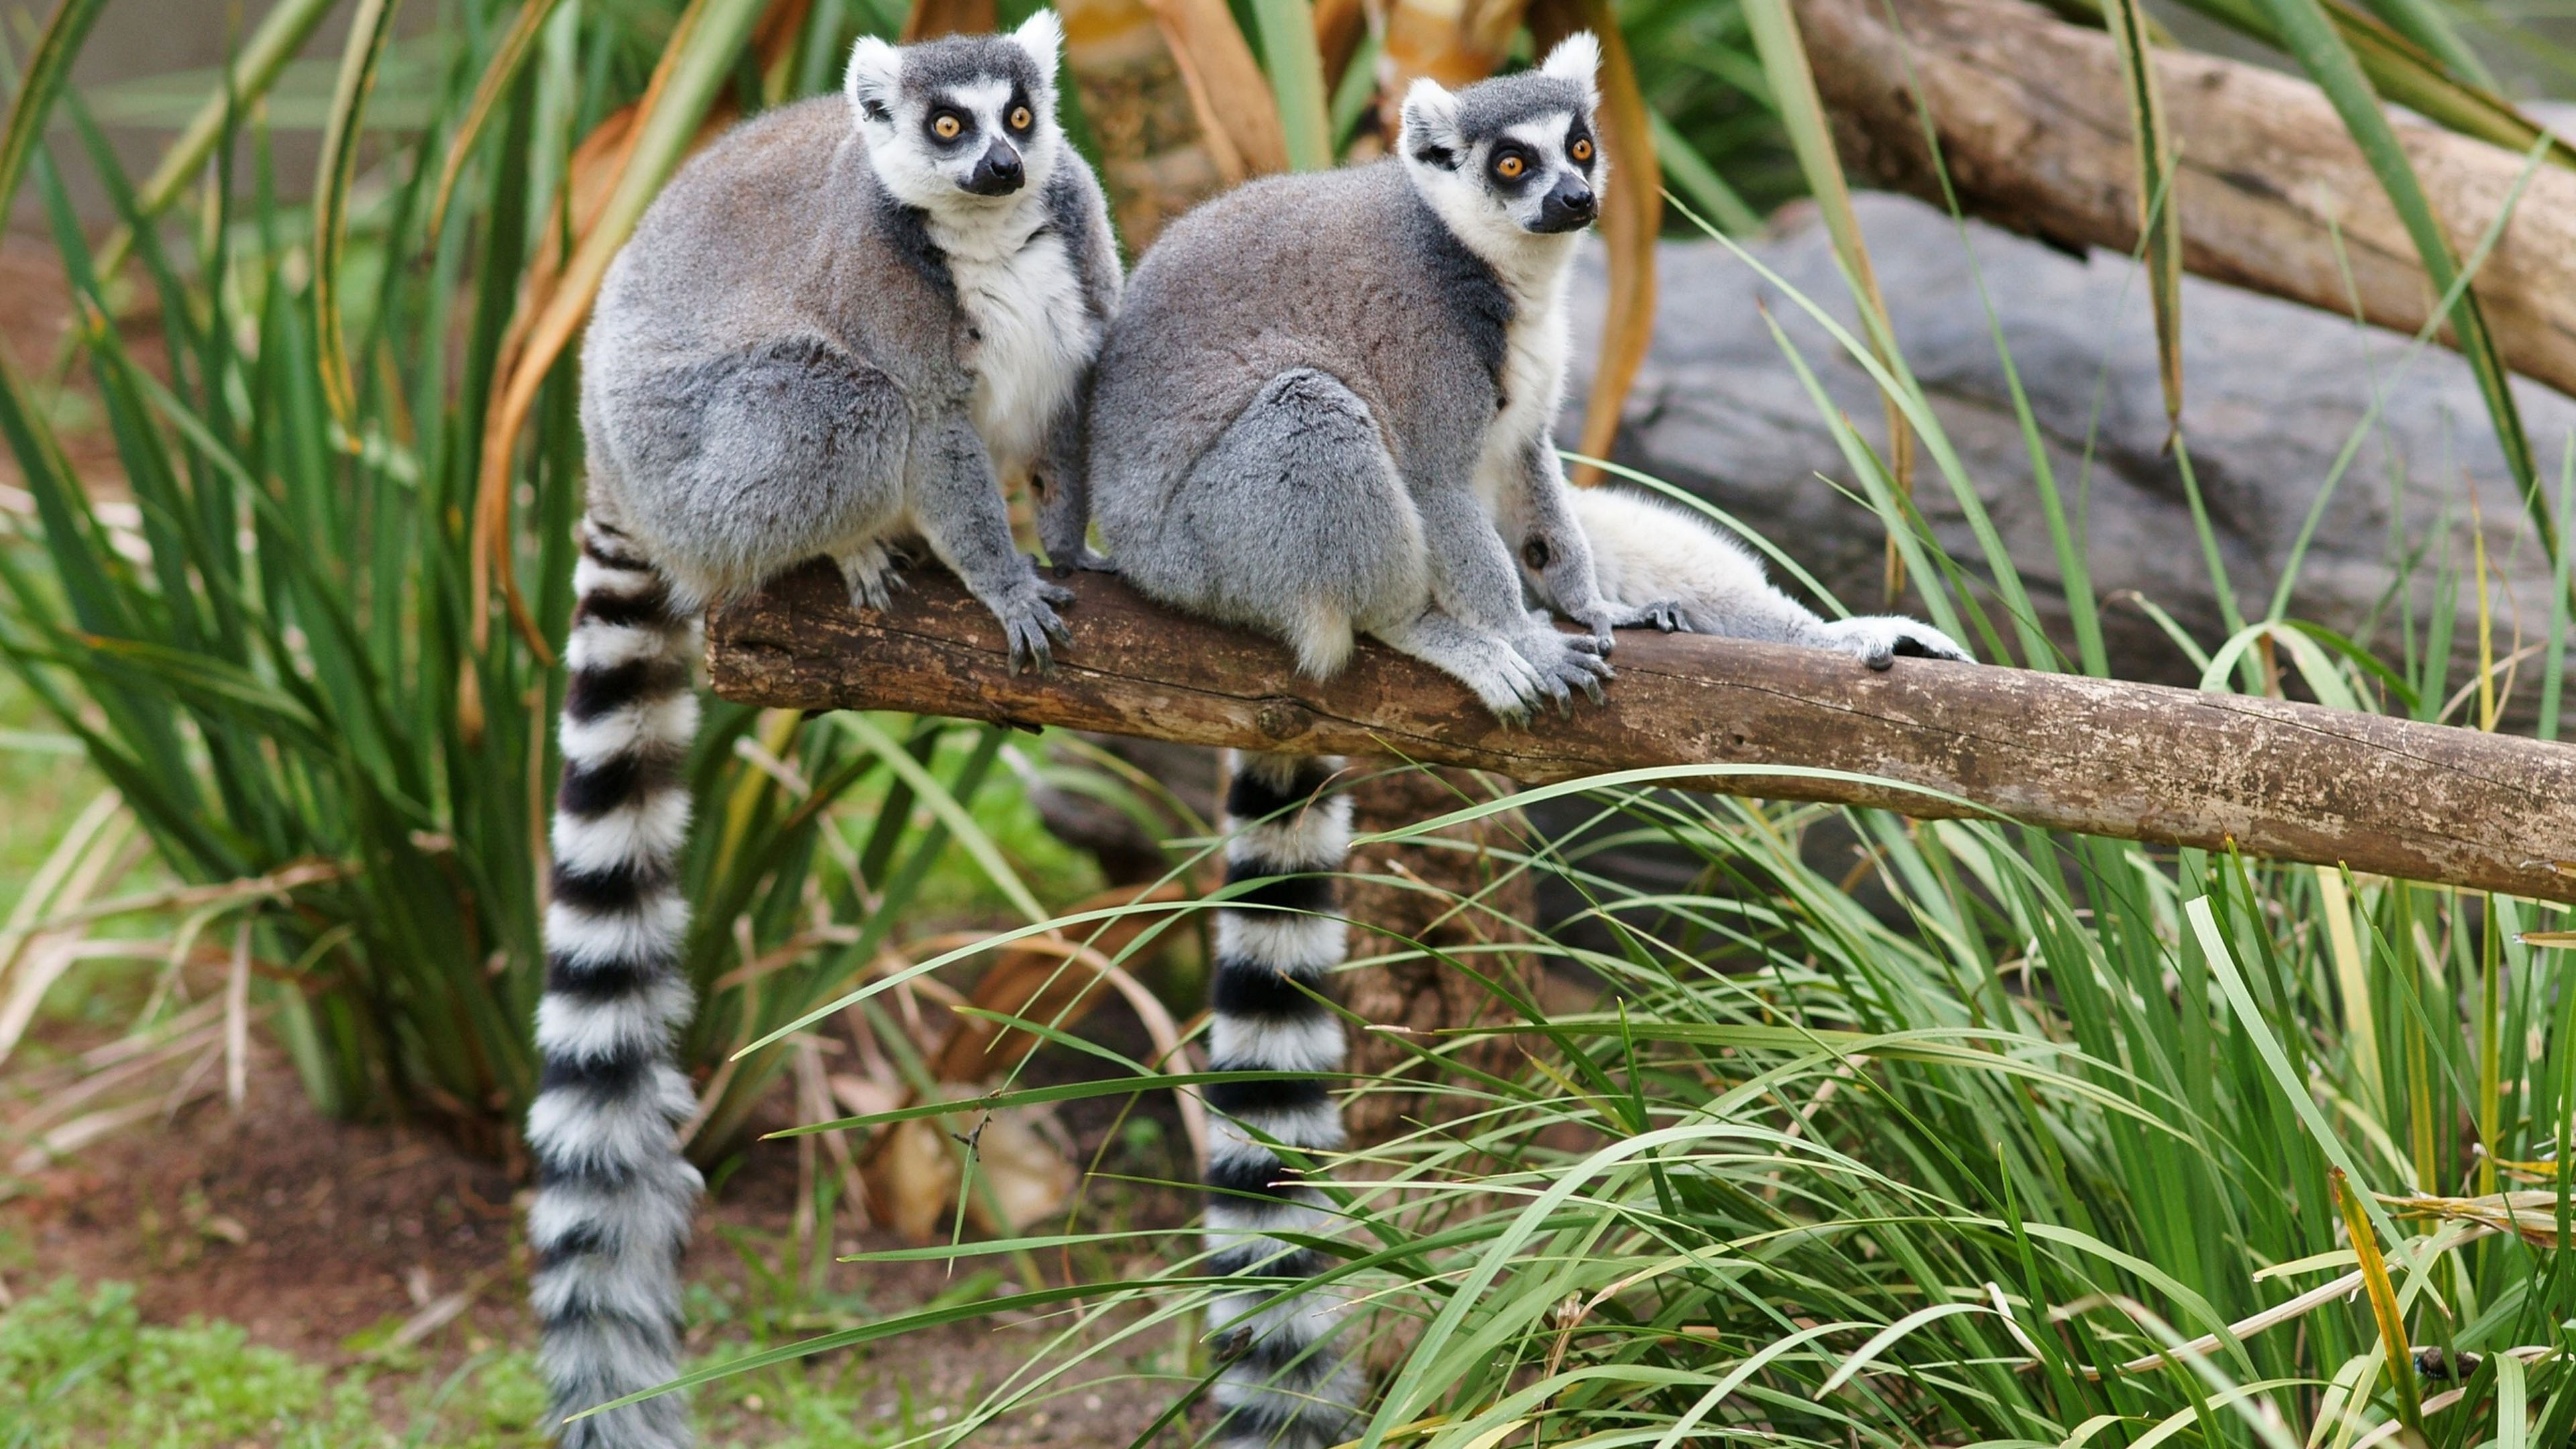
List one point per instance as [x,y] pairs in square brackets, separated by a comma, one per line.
[2034,129]
[2133,761]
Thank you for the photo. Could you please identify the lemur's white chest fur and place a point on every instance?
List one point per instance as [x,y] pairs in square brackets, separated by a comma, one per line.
[1535,349]
[1532,269]
[1028,336]
[1534,355]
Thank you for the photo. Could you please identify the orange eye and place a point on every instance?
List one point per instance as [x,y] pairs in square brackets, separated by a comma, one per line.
[946,127]
[1510,168]
[1020,118]
[1581,150]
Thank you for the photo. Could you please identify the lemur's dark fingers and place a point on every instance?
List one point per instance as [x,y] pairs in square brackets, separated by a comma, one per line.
[1029,642]
[1914,646]
[1056,594]
[1881,660]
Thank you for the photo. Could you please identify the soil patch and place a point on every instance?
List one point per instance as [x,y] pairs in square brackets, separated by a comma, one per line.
[324,1238]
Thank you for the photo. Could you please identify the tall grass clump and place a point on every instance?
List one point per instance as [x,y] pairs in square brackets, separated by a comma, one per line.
[295,646]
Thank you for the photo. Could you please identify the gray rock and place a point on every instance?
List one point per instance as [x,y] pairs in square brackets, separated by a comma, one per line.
[2273,393]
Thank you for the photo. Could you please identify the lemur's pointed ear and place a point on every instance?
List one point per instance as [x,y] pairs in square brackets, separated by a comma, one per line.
[876,69]
[1430,126]
[1042,36]
[1576,58]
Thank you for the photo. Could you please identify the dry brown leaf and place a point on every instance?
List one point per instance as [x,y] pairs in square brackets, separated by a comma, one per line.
[554,301]
[1340,25]
[931,19]
[1632,214]
[1157,155]
[1046,980]
[1237,113]
[1023,1172]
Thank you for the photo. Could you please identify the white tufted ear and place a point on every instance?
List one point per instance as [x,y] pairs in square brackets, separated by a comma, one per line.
[1576,58]
[876,70]
[1042,36]
[1430,126]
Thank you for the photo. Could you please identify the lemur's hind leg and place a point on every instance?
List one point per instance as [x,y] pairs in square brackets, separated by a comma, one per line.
[1293,522]
[1288,1385]
[614,1195]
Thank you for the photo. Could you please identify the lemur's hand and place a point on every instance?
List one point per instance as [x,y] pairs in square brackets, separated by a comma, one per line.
[873,574]
[1664,614]
[1876,640]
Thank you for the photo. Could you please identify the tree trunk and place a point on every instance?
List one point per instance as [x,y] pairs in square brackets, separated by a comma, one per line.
[1447,899]
[2272,194]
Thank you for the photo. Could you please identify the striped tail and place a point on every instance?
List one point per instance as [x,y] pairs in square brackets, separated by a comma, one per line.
[1287,1386]
[614,1196]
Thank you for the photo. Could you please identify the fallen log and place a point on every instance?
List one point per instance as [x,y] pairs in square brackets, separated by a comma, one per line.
[2100,757]
[2272,194]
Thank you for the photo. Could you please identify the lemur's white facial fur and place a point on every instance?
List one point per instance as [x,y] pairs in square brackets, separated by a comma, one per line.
[963,125]
[1512,165]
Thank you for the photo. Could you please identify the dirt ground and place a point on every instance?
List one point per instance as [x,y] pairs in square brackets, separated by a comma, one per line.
[320,1237]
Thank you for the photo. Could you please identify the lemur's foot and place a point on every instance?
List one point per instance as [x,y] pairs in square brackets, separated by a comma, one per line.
[874,575]
[1877,639]
[1031,625]
[1084,559]
[1565,663]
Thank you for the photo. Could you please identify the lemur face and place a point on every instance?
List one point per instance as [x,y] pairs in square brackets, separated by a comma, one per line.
[1517,153]
[962,122]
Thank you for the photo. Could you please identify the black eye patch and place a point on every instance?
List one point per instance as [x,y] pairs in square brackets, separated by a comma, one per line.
[1580,148]
[1017,107]
[1512,167]
[948,125]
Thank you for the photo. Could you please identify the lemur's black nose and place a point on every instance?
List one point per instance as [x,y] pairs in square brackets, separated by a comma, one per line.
[998,172]
[1568,206]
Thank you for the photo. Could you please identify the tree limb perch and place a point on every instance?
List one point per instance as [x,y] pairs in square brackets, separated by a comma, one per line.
[2133,761]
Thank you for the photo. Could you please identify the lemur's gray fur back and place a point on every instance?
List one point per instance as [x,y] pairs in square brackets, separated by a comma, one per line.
[796,355]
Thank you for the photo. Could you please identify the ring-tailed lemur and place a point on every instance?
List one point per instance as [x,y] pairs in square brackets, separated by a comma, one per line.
[1325,409]
[832,331]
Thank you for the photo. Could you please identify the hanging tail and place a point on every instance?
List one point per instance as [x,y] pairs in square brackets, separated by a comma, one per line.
[1287,1386]
[614,1196]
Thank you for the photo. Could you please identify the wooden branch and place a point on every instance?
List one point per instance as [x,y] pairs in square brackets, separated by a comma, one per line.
[2034,129]
[2134,761]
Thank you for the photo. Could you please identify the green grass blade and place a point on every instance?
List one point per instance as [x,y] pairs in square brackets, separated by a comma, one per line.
[1296,72]
[281,33]
[2159,218]
[517,44]
[369,33]
[1687,169]
[47,69]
